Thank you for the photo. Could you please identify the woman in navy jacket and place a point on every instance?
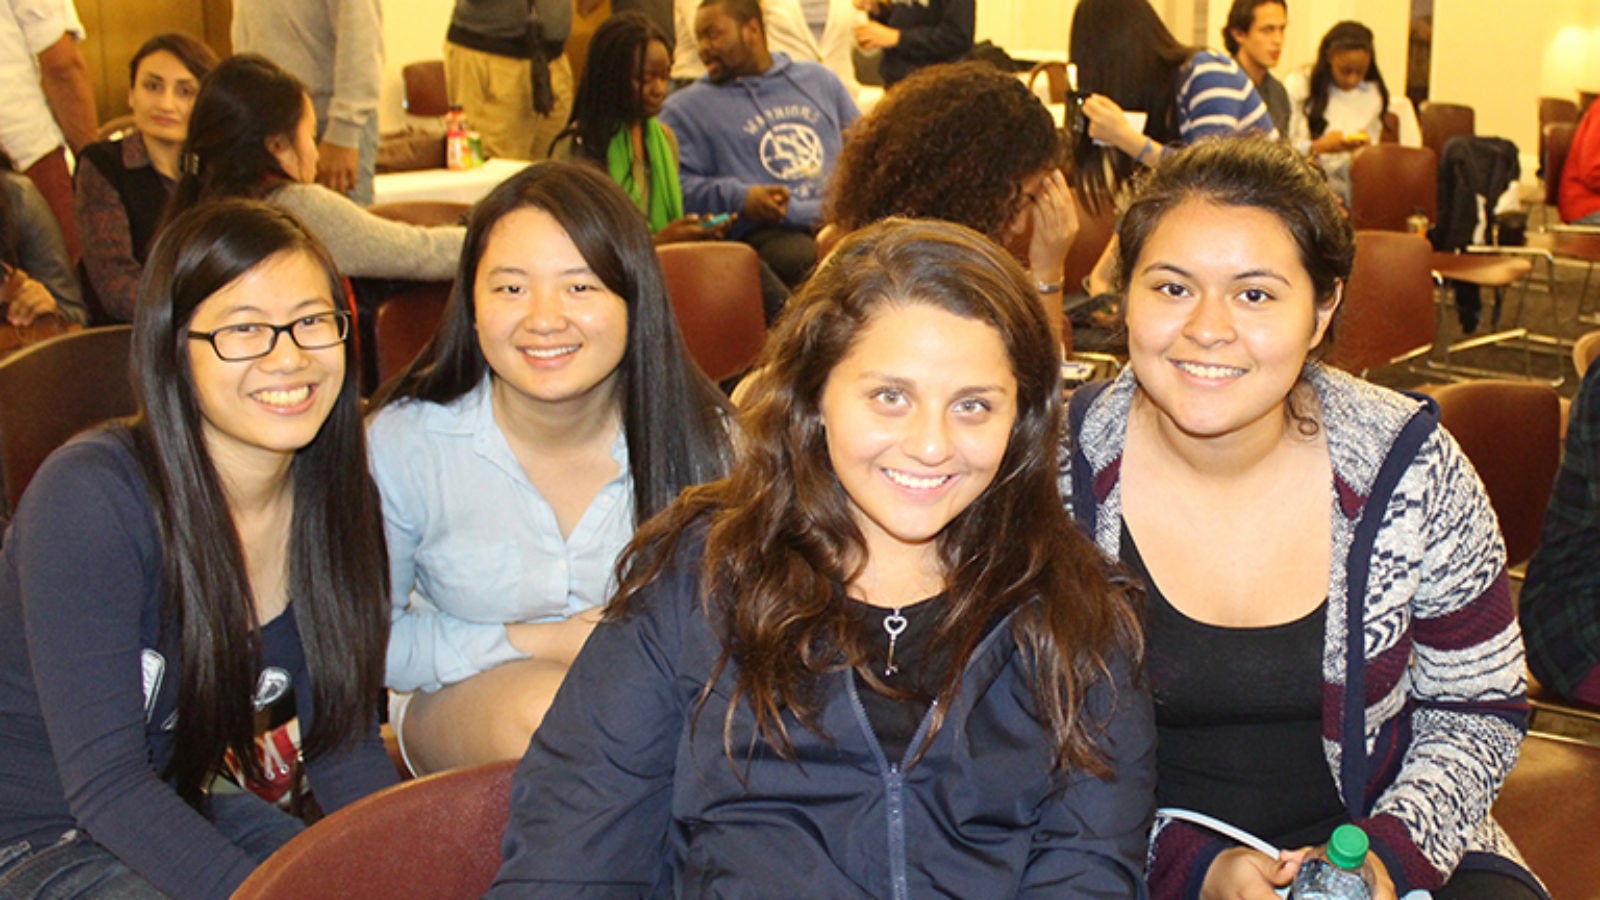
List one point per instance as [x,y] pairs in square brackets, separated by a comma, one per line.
[873,661]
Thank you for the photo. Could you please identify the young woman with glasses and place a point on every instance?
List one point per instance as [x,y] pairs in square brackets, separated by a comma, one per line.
[173,579]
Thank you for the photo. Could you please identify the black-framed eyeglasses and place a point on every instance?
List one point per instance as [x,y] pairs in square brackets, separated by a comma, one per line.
[253,340]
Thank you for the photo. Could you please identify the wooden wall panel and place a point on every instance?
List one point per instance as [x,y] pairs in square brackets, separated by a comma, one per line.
[116,28]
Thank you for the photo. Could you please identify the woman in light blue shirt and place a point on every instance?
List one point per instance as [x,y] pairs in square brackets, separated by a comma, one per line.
[554,411]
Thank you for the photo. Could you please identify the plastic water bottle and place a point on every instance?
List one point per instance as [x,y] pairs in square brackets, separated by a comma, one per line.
[1338,870]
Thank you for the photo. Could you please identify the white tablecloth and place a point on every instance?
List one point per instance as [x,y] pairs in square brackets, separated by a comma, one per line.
[464,186]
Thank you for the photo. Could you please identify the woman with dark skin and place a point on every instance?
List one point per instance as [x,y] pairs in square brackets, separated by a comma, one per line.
[614,125]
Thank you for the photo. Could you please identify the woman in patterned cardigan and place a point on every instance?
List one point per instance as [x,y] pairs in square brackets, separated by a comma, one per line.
[1257,495]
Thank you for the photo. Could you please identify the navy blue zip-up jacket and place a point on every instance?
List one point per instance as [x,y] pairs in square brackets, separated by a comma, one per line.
[626,791]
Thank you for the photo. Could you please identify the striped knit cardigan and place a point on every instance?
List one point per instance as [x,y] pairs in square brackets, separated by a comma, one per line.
[1424,685]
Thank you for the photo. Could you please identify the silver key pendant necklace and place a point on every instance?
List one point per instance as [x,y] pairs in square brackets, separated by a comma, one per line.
[893,623]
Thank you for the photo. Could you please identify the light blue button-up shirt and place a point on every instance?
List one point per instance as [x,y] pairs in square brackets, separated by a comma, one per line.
[473,545]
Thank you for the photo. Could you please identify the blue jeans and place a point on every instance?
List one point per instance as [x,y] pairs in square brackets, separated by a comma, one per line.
[76,866]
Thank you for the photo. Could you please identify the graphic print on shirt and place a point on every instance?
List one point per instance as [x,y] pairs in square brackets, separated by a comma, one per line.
[152,666]
[272,685]
[791,149]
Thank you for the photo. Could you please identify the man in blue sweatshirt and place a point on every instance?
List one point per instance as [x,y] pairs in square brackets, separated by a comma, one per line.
[758,136]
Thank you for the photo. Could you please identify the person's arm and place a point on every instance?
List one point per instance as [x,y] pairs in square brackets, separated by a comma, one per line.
[357,79]
[88,558]
[942,41]
[427,648]
[64,77]
[591,801]
[1467,675]
[351,771]
[1090,841]
[1560,601]
[704,191]
[107,239]
[367,246]
[42,252]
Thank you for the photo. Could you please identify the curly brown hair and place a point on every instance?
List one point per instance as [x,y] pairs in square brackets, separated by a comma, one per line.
[951,142]
[781,538]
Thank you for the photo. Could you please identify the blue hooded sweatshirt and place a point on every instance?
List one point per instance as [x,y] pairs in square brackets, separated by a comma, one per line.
[784,126]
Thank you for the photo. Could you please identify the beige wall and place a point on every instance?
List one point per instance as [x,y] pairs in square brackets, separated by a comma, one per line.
[1484,55]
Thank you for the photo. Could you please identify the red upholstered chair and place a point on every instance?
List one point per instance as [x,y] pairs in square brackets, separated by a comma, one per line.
[1388,183]
[1550,806]
[436,837]
[715,290]
[1511,431]
[55,389]
[1388,314]
[406,322]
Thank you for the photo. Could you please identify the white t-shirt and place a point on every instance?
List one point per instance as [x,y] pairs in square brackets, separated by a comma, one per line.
[28,130]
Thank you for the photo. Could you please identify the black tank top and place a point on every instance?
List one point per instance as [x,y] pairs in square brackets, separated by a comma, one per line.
[1239,719]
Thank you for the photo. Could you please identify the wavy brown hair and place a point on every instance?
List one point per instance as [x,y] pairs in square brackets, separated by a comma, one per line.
[951,142]
[781,540]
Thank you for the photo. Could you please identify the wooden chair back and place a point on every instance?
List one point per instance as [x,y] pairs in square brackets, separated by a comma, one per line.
[1442,121]
[436,837]
[425,93]
[1389,182]
[1388,302]
[1584,352]
[1511,431]
[422,212]
[55,389]
[1555,141]
[1055,86]
[715,291]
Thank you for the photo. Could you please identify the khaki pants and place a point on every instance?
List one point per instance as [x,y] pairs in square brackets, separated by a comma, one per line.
[496,93]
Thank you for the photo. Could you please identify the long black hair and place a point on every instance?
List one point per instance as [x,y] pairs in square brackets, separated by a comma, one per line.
[607,96]
[1341,37]
[673,418]
[246,100]
[338,567]
[1124,51]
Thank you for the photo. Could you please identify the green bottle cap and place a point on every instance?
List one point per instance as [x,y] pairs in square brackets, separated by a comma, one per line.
[1347,848]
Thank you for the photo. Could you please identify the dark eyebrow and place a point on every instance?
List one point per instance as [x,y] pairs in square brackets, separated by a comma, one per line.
[1237,276]
[905,383]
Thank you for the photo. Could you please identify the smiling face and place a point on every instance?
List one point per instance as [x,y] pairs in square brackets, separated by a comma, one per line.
[1221,316]
[162,95]
[727,48]
[1262,45]
[650,82]
[275,404]
[550,329]
[1349,68]
[917,417]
